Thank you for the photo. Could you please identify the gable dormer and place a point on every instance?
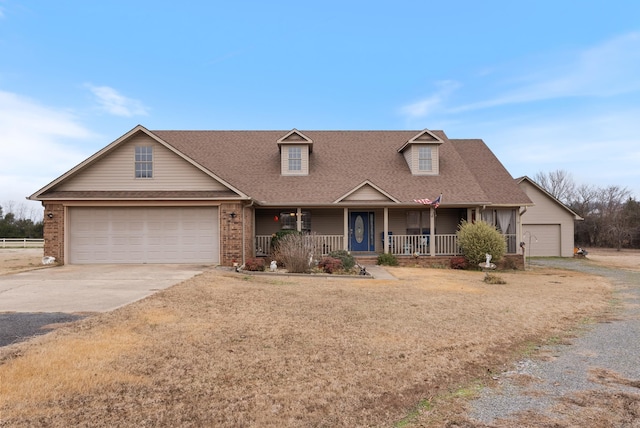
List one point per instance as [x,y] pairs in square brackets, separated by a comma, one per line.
[295,148]
[422,153]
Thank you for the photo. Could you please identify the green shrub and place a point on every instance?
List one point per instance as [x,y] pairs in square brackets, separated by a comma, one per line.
[330,264]
[387,259]
[478,239]
[348,261]
[255,264]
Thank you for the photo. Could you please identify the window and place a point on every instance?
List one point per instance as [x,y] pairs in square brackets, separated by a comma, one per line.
[425,162]
[144,162]
[295,159]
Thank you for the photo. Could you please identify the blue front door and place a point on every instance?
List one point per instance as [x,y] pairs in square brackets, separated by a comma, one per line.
[361,230]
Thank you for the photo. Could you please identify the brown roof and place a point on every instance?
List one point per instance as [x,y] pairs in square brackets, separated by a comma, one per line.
[342,160]
[138,195]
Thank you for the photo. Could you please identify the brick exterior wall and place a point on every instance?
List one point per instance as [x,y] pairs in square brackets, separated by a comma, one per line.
[509,261]
[231,224]
[54,232]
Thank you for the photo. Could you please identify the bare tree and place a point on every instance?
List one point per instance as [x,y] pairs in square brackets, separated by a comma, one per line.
[558,183]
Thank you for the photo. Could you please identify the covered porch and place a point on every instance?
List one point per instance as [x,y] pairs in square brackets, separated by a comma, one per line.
[419,231]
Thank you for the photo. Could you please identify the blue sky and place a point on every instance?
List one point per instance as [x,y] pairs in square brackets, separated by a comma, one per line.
[548,84]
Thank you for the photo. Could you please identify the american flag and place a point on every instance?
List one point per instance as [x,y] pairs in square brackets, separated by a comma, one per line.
[436,202]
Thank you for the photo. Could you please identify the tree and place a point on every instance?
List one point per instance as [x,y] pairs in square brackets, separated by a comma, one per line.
[14,226]
[558,183]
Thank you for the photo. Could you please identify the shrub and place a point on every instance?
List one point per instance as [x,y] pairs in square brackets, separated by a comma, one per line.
[276,237]
[458,263]
[493,279]
[348,261]
[478,239]
[330,264]
[255,264]
[387,259]
[294,251]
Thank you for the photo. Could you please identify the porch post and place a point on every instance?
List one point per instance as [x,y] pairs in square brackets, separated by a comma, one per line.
[345,232]
[385,232]
[299,219]
[432,228]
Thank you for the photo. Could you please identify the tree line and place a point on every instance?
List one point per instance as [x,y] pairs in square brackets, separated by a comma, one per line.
[15,222]
[611,214]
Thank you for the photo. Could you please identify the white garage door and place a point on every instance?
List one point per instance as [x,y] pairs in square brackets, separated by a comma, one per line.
[545,239]
[143,235]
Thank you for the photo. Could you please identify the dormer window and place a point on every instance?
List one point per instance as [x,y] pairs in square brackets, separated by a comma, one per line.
[144,162]
[425,159]
[295,148]
[295,159]
[422,153]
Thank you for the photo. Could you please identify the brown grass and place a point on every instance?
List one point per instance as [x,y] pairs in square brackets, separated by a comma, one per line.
[225,349]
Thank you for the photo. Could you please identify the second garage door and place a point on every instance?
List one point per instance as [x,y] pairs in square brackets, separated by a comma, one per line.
[143,235]
[545,239]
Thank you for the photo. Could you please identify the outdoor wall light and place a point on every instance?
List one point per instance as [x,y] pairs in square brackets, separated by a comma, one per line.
[50,215]
[232,215]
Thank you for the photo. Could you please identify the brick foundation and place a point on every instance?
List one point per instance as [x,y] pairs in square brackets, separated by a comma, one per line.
[509,261]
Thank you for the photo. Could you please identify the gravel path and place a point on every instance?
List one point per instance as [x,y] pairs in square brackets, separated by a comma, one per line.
[605,359]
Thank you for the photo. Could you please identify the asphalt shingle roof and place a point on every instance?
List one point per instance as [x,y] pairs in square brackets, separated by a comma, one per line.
[342,160]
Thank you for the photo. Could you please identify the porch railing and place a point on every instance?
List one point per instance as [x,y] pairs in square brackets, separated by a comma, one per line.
[325,244]
[445,245]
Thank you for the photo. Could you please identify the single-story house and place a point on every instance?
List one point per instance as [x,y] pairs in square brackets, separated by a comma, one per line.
[548,226]
[218,197]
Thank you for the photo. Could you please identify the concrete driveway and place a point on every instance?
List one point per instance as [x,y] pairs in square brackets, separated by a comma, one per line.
[88,288]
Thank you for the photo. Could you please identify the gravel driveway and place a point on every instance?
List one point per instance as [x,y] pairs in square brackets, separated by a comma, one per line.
[604,361]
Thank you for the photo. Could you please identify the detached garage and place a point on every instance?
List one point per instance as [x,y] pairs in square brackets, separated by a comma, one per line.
[143,235]
[548,225]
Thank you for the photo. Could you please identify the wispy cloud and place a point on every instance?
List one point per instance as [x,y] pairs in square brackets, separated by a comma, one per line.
[607,69]
[114,103]
[433,102]
[35,141]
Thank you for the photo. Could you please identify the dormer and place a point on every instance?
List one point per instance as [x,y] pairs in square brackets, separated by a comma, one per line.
[295,148]
[422,153]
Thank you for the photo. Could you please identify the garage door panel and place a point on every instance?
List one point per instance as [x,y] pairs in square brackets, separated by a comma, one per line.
[542,240]
[143,235]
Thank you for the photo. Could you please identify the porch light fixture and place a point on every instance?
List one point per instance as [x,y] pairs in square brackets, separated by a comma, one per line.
[232,215]
[50,215]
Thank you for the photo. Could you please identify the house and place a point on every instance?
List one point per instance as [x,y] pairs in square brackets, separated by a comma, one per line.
[217,197]
[548,225]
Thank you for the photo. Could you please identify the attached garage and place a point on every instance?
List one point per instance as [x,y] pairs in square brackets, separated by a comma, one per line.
[143,235]
[542,240]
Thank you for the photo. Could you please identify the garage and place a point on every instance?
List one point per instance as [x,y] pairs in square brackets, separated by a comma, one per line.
[143,235]
[542,239]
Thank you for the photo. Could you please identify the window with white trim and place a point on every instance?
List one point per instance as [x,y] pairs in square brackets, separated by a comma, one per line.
[425,159]
[295,158]
[144,162]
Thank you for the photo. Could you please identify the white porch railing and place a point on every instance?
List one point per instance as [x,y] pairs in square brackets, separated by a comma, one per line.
[21,243]
[324,243]
[445,245]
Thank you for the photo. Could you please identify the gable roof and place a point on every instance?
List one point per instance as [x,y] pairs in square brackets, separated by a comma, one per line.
[342,164]
[548,195]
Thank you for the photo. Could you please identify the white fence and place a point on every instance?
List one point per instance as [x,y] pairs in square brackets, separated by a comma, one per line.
[21,243]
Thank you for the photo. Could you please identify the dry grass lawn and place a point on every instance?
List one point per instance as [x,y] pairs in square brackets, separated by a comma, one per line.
[233,350]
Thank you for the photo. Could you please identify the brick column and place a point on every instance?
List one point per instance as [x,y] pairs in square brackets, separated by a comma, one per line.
[230,234]
[54,231]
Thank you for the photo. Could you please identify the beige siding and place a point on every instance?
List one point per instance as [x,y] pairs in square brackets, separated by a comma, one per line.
[547,212]
[284,160]
[413,159]
[327,222]
[115,171]
[366,193]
